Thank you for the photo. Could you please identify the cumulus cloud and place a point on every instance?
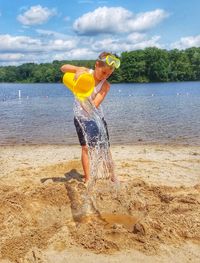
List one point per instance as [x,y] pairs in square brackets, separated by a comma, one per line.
[117,20]
[11,57]
[133,42]
[147,42]
[136,37]
[62,45]
[187,42]
[20,58]
[56,46]
[52,34]
[127,32]
[77,53]
[14,44]
[147,20]
[36,15]
[21,49]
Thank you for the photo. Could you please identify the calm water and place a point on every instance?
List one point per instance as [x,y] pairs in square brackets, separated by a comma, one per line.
[135,113]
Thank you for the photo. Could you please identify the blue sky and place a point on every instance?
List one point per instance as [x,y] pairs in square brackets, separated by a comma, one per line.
[42,31]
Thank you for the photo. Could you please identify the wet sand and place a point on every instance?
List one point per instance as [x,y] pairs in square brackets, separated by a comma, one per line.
[154,216]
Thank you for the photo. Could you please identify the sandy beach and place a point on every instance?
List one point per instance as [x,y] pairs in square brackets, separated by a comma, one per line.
[153,216]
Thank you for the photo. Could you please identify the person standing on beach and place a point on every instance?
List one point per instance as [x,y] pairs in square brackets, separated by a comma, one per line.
[104,67]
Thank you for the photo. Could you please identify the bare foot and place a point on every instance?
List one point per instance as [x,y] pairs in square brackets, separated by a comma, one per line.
[115,181]
[113,178]
[86,179]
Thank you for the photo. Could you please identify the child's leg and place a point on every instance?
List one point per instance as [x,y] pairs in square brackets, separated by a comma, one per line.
[85,162]
[111,167]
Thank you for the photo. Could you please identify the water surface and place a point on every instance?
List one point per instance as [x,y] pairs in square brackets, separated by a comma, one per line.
[135,113]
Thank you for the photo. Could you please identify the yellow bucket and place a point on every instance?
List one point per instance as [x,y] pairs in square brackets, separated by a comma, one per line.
[82,87]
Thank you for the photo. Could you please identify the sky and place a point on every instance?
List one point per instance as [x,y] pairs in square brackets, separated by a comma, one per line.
[41,31]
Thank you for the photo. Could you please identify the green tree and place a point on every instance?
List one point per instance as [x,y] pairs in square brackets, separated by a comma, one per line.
[157,64]
[194,57]
[2,74]
[148,65]
[180,66]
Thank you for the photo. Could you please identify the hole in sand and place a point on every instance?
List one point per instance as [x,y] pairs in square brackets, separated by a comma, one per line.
[109,220]
[125,220]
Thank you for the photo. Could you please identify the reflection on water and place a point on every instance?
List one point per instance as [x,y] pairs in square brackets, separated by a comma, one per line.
[135,113]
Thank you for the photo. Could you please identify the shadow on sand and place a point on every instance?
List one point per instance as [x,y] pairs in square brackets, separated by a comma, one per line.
[73,174]
[81,202]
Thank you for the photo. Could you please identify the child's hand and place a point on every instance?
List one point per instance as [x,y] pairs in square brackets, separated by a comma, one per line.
[80,71]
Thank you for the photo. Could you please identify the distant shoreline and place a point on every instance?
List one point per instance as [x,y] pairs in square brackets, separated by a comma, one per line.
[155,82]
[116,83]
[137,66]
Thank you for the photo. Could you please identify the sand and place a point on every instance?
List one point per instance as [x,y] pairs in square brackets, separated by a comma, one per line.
[153,216]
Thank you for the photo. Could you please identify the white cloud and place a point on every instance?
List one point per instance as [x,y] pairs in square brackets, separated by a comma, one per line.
[117,20]
[148,42]
[136,37]
[133,42]
[147,20]
[21,49]
[10,43]
[77,53]
[36,15]
[127,32]
[20,58]
[11,57]
[62,45]
[53,45]
[52,34]
[187,42]
[24,44]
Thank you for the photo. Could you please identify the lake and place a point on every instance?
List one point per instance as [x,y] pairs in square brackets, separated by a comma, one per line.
[164,113]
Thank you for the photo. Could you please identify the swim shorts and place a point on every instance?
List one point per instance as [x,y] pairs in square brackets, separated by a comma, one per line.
[90,128]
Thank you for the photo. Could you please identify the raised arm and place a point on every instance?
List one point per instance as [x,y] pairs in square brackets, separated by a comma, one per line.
[74,69]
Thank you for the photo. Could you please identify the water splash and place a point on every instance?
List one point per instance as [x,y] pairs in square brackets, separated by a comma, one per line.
[97,141]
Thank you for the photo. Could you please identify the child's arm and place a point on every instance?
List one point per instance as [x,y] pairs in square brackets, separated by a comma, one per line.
[90,104]
[101,94]
[74,69]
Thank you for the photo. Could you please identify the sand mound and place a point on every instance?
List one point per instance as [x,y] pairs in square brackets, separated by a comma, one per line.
[61,215]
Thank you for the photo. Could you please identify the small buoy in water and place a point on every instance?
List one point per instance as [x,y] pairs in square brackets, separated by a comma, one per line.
[19,94]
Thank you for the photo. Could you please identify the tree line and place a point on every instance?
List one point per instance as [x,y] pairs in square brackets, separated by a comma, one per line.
[148,65]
